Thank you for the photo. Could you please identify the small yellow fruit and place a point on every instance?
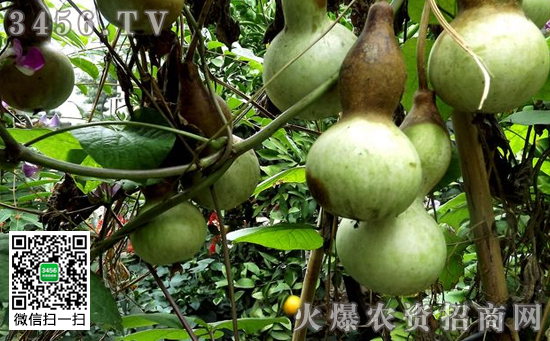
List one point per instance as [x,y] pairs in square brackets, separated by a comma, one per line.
[291,305]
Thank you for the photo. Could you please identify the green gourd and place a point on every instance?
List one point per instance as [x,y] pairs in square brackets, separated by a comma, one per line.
[400,255]
[305,21]
[511,47]
[174,236]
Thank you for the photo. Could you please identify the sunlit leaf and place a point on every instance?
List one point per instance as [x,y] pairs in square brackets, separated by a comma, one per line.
[281,237]
[293,175]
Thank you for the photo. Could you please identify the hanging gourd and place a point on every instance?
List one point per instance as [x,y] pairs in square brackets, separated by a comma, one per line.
[510,46]
[35,74]
[305,21]
[364,167]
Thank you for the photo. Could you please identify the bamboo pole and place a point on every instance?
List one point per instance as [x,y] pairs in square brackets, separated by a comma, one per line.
[313,271]
[482,217]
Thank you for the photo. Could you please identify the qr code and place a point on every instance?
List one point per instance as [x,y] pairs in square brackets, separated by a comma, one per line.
[49,280]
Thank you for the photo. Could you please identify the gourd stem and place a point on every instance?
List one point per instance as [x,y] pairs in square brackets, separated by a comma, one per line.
[421,47]
[480,206]
[304,15]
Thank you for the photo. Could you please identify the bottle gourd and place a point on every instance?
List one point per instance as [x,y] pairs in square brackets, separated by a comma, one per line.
[406,254]
[364,167]
[174,236]
[511,47]
[305,21]
[48,87]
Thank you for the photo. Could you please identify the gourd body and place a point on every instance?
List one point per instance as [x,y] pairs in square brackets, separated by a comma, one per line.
[174,236]
[511,47]
[397,256]
[141,24]
[305,21]
[427,132]
[236,185]
[46,89]
[363,169]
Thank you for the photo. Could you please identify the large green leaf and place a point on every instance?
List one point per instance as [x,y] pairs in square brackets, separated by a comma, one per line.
[293,175]
[61,146]
[103,308]
[529,117]
[4,267]
[280,237]
[131,148]
[250,325]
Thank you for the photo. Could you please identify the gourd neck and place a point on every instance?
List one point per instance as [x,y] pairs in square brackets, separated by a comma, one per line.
[305,15]
[471,4]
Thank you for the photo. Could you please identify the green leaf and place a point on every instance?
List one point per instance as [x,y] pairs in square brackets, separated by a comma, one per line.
[61,146]
[70,38]
[131,148]
[411,84]
[145,320]
[150,115]
[409,53]
[36,183]
[34,196]
[158,334]
[250,325]
[529,117]
[280,237]
[4,267]
[83,88]
[454,212]
[447,7]
[454,269]
[103,308]
[453,171]
[293,175]
[86,66]
[245,283]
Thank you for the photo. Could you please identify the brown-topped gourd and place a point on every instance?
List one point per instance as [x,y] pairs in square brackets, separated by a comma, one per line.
[364,167]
